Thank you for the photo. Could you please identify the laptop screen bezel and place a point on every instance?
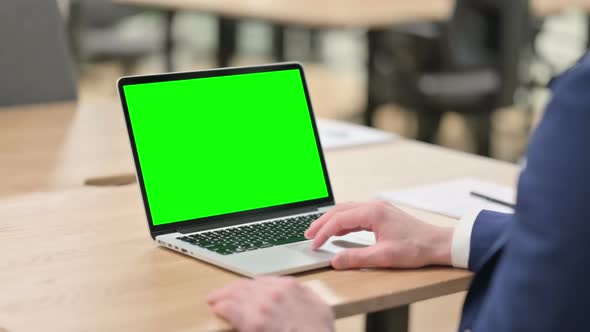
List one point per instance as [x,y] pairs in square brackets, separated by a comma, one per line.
[234,218]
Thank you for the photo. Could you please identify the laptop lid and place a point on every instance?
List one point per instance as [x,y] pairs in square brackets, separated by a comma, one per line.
[225,146]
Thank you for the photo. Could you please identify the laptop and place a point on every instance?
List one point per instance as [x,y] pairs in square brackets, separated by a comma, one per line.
[230,166]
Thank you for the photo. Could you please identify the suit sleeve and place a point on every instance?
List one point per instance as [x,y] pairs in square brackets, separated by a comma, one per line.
[473,236]
[542,280]
[487,228]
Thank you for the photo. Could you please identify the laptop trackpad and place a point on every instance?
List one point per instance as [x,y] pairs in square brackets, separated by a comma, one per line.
[333,246]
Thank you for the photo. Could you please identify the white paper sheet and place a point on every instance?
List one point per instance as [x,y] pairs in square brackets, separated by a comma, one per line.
[452,198]
[338,134]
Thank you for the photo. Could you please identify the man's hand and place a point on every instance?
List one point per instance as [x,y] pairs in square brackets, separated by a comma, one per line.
[403,241]
[272,304]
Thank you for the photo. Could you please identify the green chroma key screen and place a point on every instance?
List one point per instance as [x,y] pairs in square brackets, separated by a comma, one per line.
[217,145]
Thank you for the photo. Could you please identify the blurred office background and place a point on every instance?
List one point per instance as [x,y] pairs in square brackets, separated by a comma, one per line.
[474,79]
[109,40]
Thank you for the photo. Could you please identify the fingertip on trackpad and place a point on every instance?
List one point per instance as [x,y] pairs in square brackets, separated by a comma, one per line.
[335,246]
[348,244]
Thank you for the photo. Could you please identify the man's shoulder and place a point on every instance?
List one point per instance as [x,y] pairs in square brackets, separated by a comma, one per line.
[570,90]
[576,77]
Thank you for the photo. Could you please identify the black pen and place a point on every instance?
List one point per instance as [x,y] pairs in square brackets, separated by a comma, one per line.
[491,199]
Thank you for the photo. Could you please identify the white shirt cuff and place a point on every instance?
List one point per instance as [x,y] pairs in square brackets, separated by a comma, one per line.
[461,244]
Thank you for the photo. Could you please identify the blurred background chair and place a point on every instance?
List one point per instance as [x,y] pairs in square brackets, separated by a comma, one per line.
[98,34]
[469,65]
[35,64]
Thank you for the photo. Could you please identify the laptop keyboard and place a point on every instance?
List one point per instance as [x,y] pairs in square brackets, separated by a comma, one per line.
[251,237]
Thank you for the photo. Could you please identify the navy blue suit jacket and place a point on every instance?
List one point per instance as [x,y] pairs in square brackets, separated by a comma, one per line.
[533,267]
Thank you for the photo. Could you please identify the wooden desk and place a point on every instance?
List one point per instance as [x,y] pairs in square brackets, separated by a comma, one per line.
[56,146]
[82,260]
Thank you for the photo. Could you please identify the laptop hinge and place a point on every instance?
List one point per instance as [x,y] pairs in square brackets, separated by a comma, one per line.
[253,218]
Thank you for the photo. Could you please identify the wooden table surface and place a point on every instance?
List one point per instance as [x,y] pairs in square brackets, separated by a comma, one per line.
[338,13]
[55,146]
[81,259]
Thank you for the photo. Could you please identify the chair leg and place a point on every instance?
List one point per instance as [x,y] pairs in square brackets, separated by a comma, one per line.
[369,112]
[278,41]
[428,125]
[129,66]
[480,125]
[372,102]
[74,31]
[315,45]
[228,30]
[169,40]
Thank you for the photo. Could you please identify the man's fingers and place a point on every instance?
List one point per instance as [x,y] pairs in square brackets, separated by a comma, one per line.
[373,256]
[342,223]
[230,311]
[223,293]
[321,221]
[217,295]
[348,231]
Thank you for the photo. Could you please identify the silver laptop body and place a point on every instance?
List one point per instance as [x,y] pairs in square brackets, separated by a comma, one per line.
[262,240]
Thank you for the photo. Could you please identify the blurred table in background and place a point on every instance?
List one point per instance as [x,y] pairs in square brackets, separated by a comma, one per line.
[338,13]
